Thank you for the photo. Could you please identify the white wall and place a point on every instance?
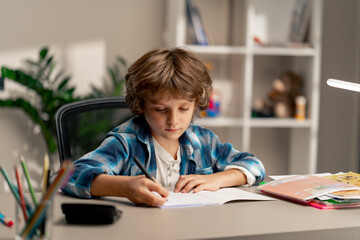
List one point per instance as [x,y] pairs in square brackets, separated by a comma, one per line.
[129,28]
[339,109]
[117,27]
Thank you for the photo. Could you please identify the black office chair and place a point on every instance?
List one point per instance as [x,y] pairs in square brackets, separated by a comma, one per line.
[81,126]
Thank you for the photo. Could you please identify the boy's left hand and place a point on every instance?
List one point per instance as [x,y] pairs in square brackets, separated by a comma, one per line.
[197,183]
[211,182]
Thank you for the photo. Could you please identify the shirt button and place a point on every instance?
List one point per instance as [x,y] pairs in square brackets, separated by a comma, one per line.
[170,174]
[173,165]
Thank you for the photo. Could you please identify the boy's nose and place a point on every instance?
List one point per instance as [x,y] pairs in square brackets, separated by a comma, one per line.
[172,118]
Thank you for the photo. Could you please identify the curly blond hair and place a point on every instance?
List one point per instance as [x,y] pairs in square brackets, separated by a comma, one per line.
[161,71]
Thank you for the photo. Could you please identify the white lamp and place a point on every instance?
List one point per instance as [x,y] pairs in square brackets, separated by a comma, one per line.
[344,85]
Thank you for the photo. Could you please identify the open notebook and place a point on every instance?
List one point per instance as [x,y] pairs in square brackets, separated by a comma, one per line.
[218,197]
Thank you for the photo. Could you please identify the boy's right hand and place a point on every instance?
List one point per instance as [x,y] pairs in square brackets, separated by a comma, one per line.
[140,191]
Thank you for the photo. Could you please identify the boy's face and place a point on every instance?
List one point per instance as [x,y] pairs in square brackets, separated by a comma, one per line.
[168,117]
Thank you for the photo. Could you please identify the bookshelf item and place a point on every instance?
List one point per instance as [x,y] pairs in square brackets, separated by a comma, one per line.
[300,21]
[197,30]
[286,145]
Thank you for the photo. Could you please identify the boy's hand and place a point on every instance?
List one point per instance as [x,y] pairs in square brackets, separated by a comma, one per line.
[197,183]
[140,191]
[211,182]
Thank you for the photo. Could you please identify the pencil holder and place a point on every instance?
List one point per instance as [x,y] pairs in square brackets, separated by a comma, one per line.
[35,223]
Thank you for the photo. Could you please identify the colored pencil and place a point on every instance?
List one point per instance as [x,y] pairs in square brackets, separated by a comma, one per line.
[43,222]
[5,220]
[21,193]
[15,191]
[40,211]
[12,188]
[46,172]
[27,176]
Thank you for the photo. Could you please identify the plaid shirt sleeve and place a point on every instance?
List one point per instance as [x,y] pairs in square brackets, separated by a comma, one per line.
[111,157]
[217,156]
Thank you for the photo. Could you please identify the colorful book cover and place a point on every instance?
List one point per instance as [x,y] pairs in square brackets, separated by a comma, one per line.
[333,204]
[304,187]
[348,178]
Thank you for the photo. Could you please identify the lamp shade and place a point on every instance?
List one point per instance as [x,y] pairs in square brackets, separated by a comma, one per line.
[344,85]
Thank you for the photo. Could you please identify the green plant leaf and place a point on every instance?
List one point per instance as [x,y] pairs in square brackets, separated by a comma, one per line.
[49,61]
[33,113]
[32,63]
[38,77]
[49,71]
[43,53]
[63,83]
[122,61]
[58,75]
[22,78]
[112,74]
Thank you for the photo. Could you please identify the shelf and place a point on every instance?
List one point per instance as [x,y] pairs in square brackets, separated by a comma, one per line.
[284,51]
[280,123]
[226,50]
[257,122]
[220,122]
[249,69]
[235,50]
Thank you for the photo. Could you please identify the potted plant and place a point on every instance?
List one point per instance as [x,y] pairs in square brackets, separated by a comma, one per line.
[54,90]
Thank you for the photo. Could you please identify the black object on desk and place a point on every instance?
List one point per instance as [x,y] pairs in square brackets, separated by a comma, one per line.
[78,213]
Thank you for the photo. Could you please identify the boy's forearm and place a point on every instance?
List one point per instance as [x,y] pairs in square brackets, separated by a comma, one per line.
[108,185]
[231,177]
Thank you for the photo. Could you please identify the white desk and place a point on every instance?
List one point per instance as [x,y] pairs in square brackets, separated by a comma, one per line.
[241,220]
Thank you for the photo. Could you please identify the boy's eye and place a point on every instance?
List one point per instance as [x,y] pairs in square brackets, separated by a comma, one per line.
[160,109]
[184,109]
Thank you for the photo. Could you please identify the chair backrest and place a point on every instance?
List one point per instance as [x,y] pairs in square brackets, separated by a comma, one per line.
[81,126]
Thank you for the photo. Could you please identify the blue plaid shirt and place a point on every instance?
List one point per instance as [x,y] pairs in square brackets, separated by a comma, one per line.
[201,153]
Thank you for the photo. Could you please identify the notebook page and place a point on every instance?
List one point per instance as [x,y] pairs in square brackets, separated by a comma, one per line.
[224,195]
[186,200]
[220,196]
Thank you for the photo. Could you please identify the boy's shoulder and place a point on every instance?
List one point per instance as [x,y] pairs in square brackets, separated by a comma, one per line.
[198,128]
[199,131]
[198,136]
[134,125]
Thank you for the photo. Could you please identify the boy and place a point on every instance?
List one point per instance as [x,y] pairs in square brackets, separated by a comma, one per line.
[165,88]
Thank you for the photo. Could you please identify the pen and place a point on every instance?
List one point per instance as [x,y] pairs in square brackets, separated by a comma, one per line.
[5,220]
[143,169]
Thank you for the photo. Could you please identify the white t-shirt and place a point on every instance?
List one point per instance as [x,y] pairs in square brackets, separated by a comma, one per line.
[168,169]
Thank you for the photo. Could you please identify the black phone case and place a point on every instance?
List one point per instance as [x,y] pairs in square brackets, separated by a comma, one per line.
[79,213]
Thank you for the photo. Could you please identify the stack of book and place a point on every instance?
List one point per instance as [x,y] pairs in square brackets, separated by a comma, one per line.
[325,192]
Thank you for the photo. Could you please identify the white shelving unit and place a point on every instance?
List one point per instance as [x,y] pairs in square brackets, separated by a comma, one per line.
[251,69]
